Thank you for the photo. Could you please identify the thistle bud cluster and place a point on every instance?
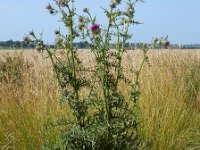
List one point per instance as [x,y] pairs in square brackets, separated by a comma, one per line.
[163,42]
[130,11]
[82,23]
[50,9]
[115,3]
[62,3]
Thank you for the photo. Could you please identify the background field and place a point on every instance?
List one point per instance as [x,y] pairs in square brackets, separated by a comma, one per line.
[169,104]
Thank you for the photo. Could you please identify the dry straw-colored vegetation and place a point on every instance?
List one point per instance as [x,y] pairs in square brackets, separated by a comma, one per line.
[169,104]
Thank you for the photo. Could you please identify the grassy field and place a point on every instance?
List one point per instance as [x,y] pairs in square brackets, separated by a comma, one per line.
[169,104]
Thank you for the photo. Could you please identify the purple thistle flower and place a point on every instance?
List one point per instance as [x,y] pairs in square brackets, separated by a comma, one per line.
[95,28]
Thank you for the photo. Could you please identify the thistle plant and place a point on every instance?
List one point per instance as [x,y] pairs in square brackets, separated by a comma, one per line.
[103,118]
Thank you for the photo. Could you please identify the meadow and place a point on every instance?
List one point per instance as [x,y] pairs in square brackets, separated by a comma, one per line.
[169,106]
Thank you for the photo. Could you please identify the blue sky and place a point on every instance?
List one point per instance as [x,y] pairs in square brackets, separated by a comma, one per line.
[179,19]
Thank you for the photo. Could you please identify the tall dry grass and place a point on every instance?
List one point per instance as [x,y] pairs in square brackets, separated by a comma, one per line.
[170,101]
[25,110]
[169,105]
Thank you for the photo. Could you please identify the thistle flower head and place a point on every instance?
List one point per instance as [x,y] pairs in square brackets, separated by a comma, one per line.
[165,43]
[61,2]
[40,46]
[118,1]
[131,11]
[113,4]
[155,40]
[95,28]
[31,33]
[81,19]
[81,27]
[85,10]
[57,32]
[49,7]
[59,41]
[26,40]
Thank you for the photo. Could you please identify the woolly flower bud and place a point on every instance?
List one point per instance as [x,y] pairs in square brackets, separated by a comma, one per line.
[123,21]
[27,40]
[131,11]
[113,5]
[81,27]
[39,46]
[81,19]
[49,7]
[31,33]
[59,42]
[118,1]
[155,40]
[85,10]
[57,32]
[165,43]
[61,2]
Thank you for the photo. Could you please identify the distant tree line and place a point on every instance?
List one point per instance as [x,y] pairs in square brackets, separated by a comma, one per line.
[10,44]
